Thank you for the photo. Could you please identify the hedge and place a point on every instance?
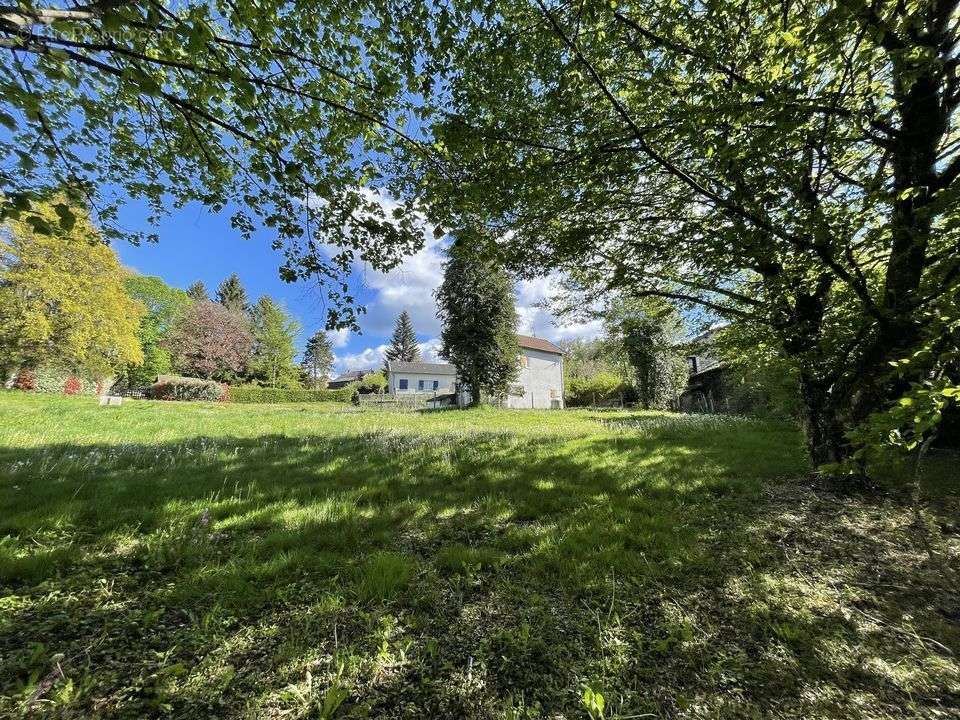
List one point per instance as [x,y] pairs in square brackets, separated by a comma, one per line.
[187,388]
[249,394]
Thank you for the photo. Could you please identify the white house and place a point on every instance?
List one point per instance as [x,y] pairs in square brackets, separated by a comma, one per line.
[420,377]
[539,383]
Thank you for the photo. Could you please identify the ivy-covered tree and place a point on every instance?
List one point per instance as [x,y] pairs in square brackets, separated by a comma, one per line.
[650,331]
[793,166]
[163,305]
[232,295]
[62,297]
[282,114]
[209,341]
[274,332]
[197,292]
[318,359]
[403,343]
[476,305]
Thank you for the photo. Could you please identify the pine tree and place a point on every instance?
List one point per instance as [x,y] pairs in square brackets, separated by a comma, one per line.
[403,342]
[198,292]
[476,306]
[317,358]
[232,295]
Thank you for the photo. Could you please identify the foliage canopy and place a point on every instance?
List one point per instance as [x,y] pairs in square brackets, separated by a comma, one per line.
[62,298]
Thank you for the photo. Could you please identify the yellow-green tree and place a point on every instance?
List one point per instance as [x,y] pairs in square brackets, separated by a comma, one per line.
[62,299]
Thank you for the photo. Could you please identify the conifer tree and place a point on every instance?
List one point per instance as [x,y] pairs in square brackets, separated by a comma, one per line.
[476,306]
[403,342]
[232,295]
[274,332]
[317,358]
[198,292]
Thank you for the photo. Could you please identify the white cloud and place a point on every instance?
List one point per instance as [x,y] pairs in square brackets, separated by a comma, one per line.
[535,318]
[430,350]
[410,286]
[339,338]
[366,359]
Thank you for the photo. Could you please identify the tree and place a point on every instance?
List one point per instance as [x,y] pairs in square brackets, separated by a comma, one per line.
[274,332]
[403,342]
[163,306]
[650,332]
[227,105]
[792,166]
[62,299]
[317,358]
[232,295]
[209,341]
[476,306]
[198,292]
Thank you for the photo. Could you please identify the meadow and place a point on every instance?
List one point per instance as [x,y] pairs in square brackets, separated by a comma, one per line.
[315,561]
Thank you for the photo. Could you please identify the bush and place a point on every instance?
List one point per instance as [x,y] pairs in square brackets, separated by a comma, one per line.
[252,394]
[56,380]
[602,388]
[189,389]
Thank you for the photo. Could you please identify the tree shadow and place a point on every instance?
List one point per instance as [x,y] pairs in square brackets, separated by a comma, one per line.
[455,573]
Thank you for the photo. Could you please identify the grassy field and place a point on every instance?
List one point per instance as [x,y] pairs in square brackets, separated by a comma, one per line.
[196,561]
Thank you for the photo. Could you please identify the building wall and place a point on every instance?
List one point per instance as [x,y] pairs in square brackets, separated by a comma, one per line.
[445,382]
[540,378]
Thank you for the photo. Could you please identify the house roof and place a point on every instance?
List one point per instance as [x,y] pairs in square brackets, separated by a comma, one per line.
[421,367]
[351,375]
[535,343]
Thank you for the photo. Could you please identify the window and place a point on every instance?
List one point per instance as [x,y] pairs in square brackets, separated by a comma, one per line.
[692,363]
[420,385]
[403,384]
[436,384]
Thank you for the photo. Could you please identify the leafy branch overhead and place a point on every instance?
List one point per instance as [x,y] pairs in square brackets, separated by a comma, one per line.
[790,166]
[283,115]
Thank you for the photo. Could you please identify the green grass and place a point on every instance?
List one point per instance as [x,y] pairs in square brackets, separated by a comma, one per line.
[198,560]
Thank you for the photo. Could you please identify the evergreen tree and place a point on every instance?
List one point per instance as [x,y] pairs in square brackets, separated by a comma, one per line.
[403,342]
[273,353]
[232,295]
[317,358]
[198,292]
[476,306]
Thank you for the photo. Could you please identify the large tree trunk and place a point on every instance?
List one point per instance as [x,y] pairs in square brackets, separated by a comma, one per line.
[822,424]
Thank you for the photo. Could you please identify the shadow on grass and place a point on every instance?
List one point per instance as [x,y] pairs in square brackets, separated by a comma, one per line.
[462,575]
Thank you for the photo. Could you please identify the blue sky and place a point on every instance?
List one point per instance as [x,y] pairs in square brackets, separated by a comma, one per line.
[196,244]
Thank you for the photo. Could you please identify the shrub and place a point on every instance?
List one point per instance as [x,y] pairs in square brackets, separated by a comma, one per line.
[253,394]
[25,380]
[55,380]
[72,385]
[601,388]
[187,388]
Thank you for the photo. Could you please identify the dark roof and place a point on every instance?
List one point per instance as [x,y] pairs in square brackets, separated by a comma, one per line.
[351,376]
[535,343]
[421,367]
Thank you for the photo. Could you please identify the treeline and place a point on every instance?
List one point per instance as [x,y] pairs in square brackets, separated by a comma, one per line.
[75,320]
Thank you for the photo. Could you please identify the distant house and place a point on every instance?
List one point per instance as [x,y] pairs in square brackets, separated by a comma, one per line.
[346,378]
[420,377]
[539,382]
